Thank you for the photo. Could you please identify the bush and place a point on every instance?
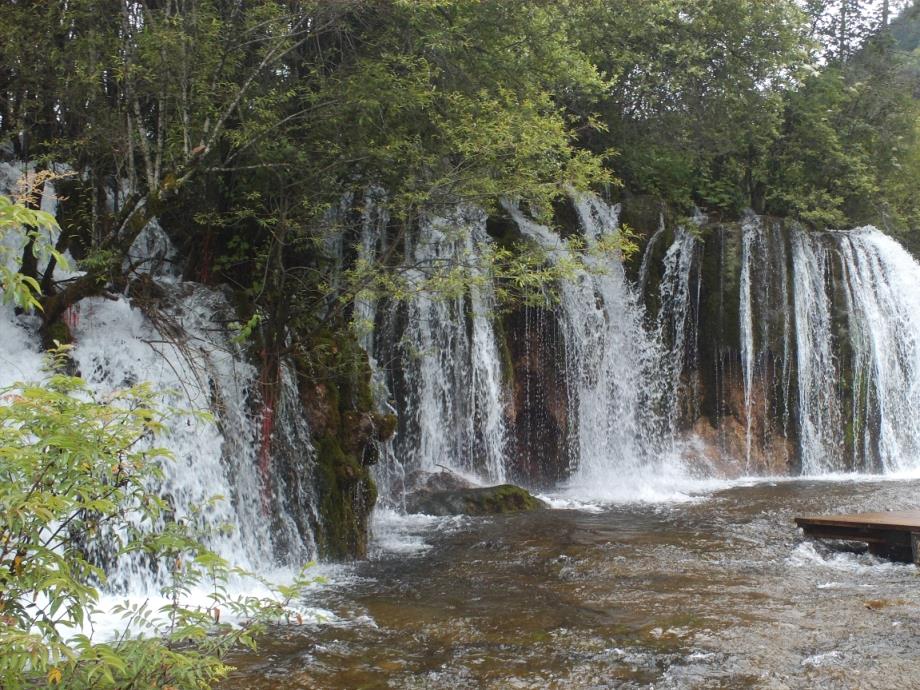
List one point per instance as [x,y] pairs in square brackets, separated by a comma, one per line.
[76,468]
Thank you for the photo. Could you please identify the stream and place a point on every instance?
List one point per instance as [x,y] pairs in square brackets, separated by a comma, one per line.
[719,591]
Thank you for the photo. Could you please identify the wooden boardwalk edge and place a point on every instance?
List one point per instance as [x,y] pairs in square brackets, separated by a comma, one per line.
[894,534]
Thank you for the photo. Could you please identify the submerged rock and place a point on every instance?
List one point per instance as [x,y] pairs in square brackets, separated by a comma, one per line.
[489,500]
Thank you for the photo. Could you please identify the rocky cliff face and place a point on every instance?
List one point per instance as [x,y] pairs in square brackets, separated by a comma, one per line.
[783,350]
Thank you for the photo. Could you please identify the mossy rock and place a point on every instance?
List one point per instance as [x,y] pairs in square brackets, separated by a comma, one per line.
[385,426]
[58,332]
[490,500]
[335,378]
[347,494]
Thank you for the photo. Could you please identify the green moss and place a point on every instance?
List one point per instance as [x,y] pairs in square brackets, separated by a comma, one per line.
[336,357]
[344,446]
[385,426]
[506,498]
[60,332]
[347,494]
[490,500]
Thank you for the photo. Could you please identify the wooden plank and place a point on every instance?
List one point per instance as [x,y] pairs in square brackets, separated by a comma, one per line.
[901,520]
[894,534]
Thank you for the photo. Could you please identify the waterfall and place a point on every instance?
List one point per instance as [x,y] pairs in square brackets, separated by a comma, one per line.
[819,411]
[749,235]
[649,250]
[389,472]
[448,352]
[188,354]
[882,382]
[618,436]
[678,318]
[181,343]
[765,342]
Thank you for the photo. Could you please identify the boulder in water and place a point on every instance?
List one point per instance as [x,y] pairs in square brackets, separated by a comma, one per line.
[487,500]
[445,480]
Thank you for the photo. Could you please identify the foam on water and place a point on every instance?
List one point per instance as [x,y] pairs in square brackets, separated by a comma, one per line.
[405,534]
[808,555]
[675,486]
[107,622]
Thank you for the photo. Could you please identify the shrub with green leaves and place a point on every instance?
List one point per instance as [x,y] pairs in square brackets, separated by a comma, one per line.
[28,225]
[76,467]
[78,478]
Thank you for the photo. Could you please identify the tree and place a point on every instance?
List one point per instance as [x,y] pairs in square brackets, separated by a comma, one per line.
[849,143]
[695,93]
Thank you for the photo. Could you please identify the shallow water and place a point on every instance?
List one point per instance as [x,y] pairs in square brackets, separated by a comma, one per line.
[721,592]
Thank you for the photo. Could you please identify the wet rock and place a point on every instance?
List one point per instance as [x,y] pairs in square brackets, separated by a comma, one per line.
[489,500]
[428,482]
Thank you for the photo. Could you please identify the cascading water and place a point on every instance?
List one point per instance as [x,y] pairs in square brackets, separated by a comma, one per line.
[444,353]
[647,253]
[749,233]
[678,318]
[873,408]
[116,347]
[883,282]
[189,355]
[765,333]
[182,345]
[819,405]
[827,343]
[389,471]
[619,438]
[827,336]
[633,389]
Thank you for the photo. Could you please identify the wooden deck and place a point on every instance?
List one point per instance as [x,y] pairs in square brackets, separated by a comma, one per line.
[894,534]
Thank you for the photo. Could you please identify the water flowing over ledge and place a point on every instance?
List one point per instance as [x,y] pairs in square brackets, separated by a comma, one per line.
[719,352]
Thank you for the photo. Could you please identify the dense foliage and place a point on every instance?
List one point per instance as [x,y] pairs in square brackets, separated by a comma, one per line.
[242,124]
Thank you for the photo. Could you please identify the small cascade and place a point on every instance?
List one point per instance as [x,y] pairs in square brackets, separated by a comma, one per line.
[820,413]
[877,394]
[117,347]
[186,351]
[678,319]
[181,343]
[649,251]
[293,507]
[447,368]
[612,364]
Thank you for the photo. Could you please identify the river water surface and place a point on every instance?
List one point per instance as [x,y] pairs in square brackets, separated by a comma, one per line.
[717,592]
